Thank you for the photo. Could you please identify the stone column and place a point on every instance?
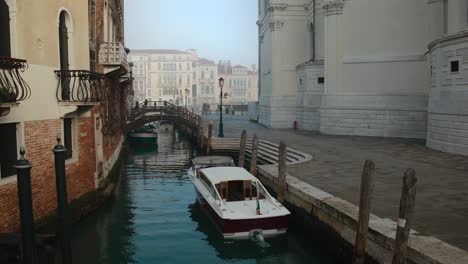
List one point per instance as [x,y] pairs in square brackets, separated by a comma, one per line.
[333,11]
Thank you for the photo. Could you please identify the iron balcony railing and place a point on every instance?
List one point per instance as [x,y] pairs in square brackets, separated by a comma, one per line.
[113,54]
[13,87]
[79,86]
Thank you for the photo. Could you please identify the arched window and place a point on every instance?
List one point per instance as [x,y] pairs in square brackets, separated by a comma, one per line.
[5,49]
[64,57]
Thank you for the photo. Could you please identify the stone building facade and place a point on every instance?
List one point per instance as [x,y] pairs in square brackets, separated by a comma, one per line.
[163,75]
[241,85]
[64,88]
[206,89]
[365,68]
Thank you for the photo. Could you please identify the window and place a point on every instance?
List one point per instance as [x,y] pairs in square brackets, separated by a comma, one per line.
[68,136]
[454,66]
[5,49]
[64,58]
[211,74]
[8,155]
[203,75]
[320,80]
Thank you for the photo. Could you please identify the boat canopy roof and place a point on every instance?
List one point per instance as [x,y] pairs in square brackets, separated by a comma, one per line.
[221,174]
[212,160]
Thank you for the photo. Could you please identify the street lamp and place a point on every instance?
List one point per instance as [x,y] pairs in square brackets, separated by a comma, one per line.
[221,84]
[186,94]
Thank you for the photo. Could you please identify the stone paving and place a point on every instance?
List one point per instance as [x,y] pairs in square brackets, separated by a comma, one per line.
[442,188]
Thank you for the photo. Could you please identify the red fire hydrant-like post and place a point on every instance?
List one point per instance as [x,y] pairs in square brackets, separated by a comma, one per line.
[295,125]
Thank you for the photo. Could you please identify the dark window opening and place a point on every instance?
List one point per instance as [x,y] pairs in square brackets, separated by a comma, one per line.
[312,41]
[454,66]
[68,137]
[5,49]
[321,80]
[8,154]
[64,63]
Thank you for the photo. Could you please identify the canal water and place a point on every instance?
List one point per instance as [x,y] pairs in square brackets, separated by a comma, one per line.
[154,218]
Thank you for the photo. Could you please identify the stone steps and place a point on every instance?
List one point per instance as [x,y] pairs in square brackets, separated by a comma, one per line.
[267,151]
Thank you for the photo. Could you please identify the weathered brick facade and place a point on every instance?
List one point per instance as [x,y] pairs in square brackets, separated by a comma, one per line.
[40,138]
[40,134]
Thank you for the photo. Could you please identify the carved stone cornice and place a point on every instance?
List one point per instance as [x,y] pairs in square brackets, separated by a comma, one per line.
[277,7]
[259,23]
[276,25]
[334,7]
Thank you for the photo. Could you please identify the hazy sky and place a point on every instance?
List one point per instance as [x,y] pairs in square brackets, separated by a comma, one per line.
[218,29]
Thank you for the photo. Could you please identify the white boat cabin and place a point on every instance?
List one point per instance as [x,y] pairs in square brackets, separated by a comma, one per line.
[231,184]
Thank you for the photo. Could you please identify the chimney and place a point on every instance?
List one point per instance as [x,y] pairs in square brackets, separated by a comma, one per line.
[194,54]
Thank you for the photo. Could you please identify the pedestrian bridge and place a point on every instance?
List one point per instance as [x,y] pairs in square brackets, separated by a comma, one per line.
[151,111]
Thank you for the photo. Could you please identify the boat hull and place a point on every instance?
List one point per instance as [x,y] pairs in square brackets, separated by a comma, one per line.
[142,138]
[242,228]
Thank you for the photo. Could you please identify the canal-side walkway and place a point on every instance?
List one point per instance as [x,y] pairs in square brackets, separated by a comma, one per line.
[442,189]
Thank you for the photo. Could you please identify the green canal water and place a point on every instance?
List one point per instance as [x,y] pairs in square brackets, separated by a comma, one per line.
[154,218]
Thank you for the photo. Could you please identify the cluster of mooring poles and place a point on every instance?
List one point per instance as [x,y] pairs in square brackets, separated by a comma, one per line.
[405,217]
[407,200]
[23,168]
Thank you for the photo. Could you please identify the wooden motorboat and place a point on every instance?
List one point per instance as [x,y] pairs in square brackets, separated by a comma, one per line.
[236,201]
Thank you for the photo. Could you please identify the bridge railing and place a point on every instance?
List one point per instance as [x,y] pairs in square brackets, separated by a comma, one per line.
[164,108]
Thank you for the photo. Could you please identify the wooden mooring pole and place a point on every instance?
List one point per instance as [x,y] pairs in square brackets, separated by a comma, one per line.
[282,172]
[405,218]
[367,180]
[210,137]
[202,135]
[243,144]
[253,159]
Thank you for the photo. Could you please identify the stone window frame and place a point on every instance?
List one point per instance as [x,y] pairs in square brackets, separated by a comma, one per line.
[449,66]
[70,29]
[75,129]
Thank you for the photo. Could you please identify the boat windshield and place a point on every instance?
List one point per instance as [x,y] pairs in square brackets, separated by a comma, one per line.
[231,191]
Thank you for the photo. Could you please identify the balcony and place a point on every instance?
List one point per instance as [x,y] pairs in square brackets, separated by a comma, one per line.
[13,88]
[80,87]
[113,56]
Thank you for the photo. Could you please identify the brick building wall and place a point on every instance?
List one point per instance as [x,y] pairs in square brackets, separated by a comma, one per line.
[40,138]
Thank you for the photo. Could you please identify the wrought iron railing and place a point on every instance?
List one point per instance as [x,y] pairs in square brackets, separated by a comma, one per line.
[79,86]
[13,87]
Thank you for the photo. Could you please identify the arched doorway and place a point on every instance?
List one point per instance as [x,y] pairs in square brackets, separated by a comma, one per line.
[5,48]
[64,57]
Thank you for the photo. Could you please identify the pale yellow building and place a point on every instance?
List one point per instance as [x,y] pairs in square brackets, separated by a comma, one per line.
[164,75]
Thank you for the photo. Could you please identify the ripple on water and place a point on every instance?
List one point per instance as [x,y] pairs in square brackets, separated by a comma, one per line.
[155,219]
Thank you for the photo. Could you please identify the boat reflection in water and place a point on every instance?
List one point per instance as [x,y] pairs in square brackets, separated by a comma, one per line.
[281,249]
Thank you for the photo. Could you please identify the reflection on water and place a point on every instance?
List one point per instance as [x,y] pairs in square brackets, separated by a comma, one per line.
[155,218]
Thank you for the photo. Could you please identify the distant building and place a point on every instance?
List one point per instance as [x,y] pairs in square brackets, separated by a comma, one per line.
[140,75]
[240,84]
[163,75]
[205,85]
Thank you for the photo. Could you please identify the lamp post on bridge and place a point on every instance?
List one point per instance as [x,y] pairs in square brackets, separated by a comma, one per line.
[221,84]
[186,95]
